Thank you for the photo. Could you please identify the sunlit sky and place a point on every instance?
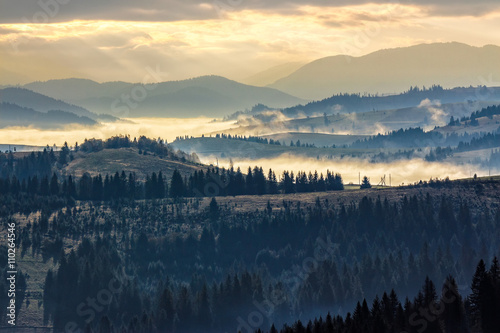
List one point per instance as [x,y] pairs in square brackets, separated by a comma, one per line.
[106,40]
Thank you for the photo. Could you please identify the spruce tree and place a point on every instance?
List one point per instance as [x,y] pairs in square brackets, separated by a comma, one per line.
[176,185]
[365,183]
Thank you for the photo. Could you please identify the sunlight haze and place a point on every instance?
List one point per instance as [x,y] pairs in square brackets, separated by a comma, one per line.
[235,40]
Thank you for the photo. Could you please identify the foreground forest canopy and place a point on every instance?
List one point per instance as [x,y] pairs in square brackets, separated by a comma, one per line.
[194,264]
[430,311]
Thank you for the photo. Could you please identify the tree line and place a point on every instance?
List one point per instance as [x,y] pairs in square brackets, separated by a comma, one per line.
[417,137]
[488,111]
[249,138]
[488,140]
[256,139]
[213,182]
[368,102]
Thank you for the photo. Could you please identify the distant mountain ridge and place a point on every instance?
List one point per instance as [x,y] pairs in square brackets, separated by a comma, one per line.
[345,103]
[211,96]
[15,115]
[32,100]
[271,75]
[388,71]
[23,107]
[392,70]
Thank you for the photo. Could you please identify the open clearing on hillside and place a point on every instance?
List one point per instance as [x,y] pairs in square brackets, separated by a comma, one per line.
[109,161]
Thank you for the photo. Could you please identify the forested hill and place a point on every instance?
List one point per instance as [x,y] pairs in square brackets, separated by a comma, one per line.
[140,156]
[346,103]
[306,253]
[442,136]
[12,115]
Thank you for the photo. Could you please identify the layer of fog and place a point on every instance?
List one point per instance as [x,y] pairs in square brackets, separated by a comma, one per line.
[427,115]
[166,128]
[401,172]
[270,122]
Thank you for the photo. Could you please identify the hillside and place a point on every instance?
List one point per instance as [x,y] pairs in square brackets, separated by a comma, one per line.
[484,125]
[447,64]
[318,139]
[109,161]
[211,96]
[471,97]
[427,115]
[15,115]
[211,148]
[271,75]
[246,203]
[400,232]
[39,102]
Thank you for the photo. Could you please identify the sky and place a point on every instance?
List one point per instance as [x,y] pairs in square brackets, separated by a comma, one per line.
[117,40]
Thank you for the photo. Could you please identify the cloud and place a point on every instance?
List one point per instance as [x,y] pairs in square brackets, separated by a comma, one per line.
[434,7]
[44,11]
[439,117]
[6,31]
[166,128]
[51,11]
[110,42]
[404,171]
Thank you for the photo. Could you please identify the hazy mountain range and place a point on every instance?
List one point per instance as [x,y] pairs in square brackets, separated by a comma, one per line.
[15,115]
[23,107]
[270,75]
[211,96]
[459,101]
[345,103]
[29,99]
[394,70]
[384,71]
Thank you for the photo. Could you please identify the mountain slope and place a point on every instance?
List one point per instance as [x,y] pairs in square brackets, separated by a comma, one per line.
[15,115]
[77,89]
[426,115]
[346,103]
[109,161]
[272,74]
[393,70]
[211,96]
[36,101]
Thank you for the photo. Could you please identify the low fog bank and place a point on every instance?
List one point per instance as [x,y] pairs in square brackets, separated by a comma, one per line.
[166,128]
[402,172]
[427,115]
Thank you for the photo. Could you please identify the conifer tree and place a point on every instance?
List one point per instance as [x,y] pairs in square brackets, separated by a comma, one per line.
[176,185]
[365,183]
